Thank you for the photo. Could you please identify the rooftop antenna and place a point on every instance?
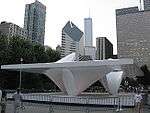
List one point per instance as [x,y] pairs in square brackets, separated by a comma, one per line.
[89,13]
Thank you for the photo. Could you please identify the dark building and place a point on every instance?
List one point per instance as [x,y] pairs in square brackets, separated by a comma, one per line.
[127,10]
[114,57]
[104,48]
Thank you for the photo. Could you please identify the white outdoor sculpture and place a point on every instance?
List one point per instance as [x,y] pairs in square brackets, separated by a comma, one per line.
[73,77]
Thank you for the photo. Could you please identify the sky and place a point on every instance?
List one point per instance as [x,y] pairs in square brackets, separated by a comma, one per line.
[59,12]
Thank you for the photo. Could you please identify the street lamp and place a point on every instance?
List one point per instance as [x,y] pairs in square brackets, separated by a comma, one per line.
[21,60]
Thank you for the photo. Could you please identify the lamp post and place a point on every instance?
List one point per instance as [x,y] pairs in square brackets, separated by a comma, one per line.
[21,60]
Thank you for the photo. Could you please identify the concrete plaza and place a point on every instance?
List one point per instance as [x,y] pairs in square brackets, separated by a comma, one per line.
[46,108]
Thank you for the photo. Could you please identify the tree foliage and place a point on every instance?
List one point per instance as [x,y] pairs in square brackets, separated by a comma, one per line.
[53,56]
[14,48]
[145,80]
[3,50]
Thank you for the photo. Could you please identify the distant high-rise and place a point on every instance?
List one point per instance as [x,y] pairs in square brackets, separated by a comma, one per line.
[88,32]
[34,21]
[146,4]
[133,35]
[104,48]
[72,40]
[58,48]
[10,29]
[89,50]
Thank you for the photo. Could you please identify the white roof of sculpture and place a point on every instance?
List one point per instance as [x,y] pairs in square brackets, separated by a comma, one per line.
[73,77]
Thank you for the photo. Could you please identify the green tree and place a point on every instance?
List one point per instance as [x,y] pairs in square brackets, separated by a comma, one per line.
[53,55]
[20,48]
[14,48]
[144,80]
[39,54]
[31,80]
[3,50]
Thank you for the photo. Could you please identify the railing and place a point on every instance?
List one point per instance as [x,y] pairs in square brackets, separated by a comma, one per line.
[125,100]
[148,99]
[52,108]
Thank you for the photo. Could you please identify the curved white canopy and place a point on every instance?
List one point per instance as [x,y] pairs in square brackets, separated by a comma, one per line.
[73,77]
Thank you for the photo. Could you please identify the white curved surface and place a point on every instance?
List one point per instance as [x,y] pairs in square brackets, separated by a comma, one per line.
[114,80]
[56,76]
[69,58]
[73,77]
[69,82]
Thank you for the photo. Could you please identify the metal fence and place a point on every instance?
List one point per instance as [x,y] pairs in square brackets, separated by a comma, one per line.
[124,100]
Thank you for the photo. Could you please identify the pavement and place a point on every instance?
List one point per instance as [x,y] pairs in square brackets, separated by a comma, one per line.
[46,108]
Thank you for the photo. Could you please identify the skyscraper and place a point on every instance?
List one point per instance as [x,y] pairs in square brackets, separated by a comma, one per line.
[89,50]
[133,35]
[34,21]
[88,32]
[104,48]
[72,40]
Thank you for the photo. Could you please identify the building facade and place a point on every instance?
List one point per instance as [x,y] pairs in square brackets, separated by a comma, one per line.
[90,51]
[58,48]
[146,4]
[10,30]
[133,35]
[88,33]
[104,48]
[72,40]
[34,21]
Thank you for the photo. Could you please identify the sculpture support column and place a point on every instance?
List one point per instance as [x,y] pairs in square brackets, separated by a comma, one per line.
[114,80]
[69,82]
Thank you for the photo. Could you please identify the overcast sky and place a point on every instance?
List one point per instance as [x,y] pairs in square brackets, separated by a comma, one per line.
[60,11]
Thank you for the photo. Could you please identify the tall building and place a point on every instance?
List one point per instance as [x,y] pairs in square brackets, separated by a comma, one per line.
[34,21]
[88,32]
[90,51]
[72,40]
[58,48]
[146,4]
[133,35]
[9,29]
[104,48]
